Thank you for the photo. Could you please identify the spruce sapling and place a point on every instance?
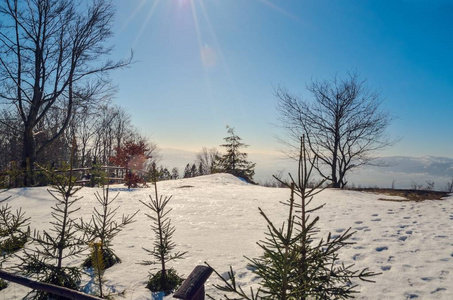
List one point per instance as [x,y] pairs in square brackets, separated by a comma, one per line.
[97,262]
[14,230]
[12,235]
[295,264]
[166,279]
[103,228]
[62,242]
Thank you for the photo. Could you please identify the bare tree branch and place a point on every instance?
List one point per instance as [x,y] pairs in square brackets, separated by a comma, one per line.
[344,124]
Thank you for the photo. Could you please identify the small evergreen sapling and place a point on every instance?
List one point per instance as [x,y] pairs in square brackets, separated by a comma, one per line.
[103,228]
[12,234]
[295,264]
[14,229]
[61,243]
[97,262]
[166,279]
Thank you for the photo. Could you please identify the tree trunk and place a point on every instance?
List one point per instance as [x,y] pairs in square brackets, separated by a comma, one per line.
[28,155]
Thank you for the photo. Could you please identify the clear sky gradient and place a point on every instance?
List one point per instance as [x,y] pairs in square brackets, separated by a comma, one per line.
[204,64]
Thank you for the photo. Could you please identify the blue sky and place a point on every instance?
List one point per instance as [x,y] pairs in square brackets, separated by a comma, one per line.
[204,64]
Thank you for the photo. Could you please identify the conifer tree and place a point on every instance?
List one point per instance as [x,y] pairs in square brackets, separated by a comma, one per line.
[103,228]
[13,229]
[97,262]
[234,161]
[164,174]
[295,264]
[193,171]
[61,243]
[187,171]
[174,173]
[13,235]
[166,279]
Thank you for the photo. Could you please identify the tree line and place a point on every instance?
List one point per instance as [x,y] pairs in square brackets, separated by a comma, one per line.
[209,161]
[95,134]
[53,68]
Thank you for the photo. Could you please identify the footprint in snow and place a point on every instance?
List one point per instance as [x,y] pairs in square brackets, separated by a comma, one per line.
[406,218]
[438,290]
[440,237]
[409,232]
[356,256]
[358,222]
[339,230]
[427,278]
[361,228]
[411,296]
[380,249]
[403,238]
[375,215]
[386,268]
[376,220]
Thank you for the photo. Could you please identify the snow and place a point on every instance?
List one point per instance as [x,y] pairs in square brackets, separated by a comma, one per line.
[217,221]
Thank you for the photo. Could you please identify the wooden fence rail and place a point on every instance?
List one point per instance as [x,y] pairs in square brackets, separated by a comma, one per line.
[193,287]
[47,287]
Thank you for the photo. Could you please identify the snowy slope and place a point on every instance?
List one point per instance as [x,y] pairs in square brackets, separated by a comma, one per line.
[217,221]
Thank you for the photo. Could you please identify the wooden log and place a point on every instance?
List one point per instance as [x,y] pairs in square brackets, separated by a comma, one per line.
[193,287]
[47,287]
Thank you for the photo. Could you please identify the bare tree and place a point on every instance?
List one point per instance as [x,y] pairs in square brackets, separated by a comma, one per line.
[344,124]
[449,186]
[50,54]
[415,186]
[429,185]
[83,126]
[9,138]
[113,127]
[206,159]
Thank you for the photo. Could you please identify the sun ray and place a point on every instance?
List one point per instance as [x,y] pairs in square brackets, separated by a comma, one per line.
[197,25]
[280,10]
[200,46]
[145,22]
[218,48]
[133,14]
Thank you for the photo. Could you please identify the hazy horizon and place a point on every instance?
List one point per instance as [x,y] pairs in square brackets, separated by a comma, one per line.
[402,174]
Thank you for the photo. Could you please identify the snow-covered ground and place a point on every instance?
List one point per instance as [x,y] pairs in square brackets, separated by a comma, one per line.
[217,221]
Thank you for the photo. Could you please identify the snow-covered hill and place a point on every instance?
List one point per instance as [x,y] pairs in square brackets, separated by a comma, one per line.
[217,221]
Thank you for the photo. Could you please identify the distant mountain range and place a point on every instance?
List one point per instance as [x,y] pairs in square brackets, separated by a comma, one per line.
[404,171]
[401,171]
[436,166]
